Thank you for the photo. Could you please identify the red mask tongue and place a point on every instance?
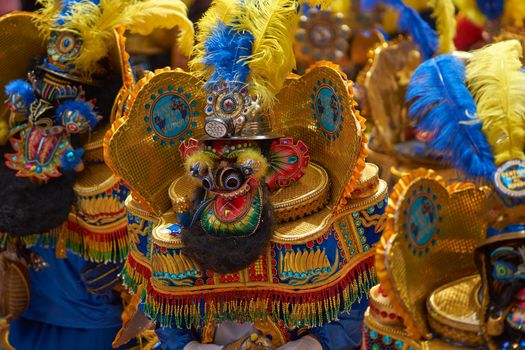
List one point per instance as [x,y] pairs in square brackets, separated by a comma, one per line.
[41,146]
[230,210]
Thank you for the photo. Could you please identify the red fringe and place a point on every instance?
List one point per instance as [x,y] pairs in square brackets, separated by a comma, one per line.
[143,270]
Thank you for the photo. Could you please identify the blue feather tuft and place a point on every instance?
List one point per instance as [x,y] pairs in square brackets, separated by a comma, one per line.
[65,10]
[441,103]
[226,50]
[368,5]
[82,108]
[71,159]
[492,9]
[20,89]
[410,21]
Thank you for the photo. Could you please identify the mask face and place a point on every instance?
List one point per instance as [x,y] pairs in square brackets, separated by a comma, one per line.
[504,295]
[232,221]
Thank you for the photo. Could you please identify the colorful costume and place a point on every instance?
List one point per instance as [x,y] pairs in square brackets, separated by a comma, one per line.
[58,199]
[248,229]
[433,229]
[382,84]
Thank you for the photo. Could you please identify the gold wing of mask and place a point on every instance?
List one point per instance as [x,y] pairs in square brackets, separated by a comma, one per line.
[142,147]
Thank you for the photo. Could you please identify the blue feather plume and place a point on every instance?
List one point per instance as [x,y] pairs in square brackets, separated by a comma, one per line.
[71,159]
[65,10]
[226,50]
[441,103]
[21,88]
[83,108]
[367,5]
[411,22]
[492,9]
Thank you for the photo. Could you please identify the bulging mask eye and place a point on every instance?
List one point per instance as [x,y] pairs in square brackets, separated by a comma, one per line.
[231,179]
[504,270]
[208,183]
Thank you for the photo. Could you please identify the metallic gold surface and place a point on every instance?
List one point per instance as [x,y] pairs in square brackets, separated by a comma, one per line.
[313,225]
[20,43]
[395,333]
[456,304]
[15,295]
[385,81]
[382,309]
[94,179]
[453,311]
[409,275]
[149,167]
[292,116]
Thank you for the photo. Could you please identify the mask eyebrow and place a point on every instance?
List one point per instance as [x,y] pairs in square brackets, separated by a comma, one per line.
[505,253]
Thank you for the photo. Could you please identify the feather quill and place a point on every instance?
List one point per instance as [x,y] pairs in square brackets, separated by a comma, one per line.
[411,22]
[444,13]
[95,23]
[441,104]
[273,24]
[498,87]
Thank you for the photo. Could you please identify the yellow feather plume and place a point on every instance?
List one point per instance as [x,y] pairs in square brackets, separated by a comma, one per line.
[444,13]
[48,10]
[498,86]
[198,157]
[260,164]
[273,24]
[514,13]
[219,11]
[95,23]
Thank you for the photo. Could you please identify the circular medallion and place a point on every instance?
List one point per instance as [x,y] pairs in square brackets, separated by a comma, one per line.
[62,48]
[322,36]
[170,116]
[327,109]
[422,221]
[510,178]
[421,218]
[227,101]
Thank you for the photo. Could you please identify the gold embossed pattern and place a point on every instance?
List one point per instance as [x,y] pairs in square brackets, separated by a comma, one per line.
[145,164]
[411,254]
[19,44]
